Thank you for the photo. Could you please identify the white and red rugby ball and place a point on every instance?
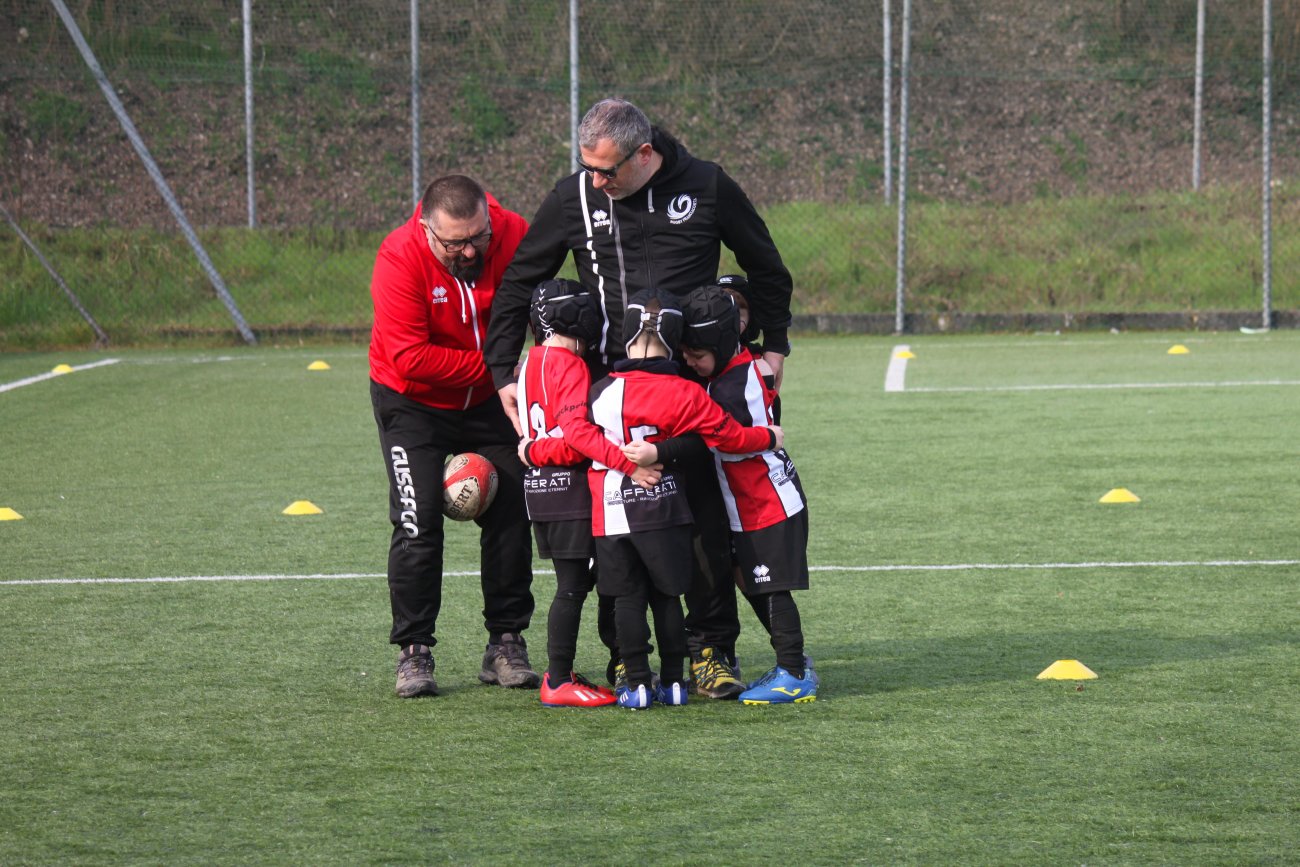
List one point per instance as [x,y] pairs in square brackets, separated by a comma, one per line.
[469,484]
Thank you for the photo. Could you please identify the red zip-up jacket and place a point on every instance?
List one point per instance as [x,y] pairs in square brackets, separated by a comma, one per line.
[427,340]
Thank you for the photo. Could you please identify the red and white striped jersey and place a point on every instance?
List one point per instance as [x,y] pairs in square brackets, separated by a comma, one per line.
[647,400]
[763,488]
[553,388]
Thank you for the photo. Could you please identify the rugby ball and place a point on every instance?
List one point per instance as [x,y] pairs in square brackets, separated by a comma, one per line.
[469,484]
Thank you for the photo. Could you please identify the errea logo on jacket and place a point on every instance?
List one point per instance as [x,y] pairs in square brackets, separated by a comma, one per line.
[599,218]
[680,209]
[439,295]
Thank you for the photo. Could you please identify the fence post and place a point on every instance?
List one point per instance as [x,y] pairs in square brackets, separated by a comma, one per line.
[1199,99]
[903,75]
[152,168]
[415,102]
[1267,137]
[573,85]
[248,112]
[886,49]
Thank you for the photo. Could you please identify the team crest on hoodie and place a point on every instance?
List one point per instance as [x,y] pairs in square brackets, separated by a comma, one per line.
[681,209]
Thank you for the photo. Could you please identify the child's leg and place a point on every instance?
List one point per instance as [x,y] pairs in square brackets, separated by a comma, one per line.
[780,615]
[670,632]
[633,636]
[623,578]
[572,583]
[666,555]
[758,602]
[605,623]
[773,562]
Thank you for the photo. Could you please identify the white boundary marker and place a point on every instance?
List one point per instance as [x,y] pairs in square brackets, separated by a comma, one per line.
[32,380]
[897,370]
[897,567]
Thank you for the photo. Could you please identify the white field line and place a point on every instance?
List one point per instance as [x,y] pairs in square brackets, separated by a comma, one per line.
[897,567]
[1240,383]
[32,380]
[897,370]
[1098,564]
[323,353]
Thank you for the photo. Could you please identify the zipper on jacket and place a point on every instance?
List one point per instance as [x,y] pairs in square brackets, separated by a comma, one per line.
[467,301]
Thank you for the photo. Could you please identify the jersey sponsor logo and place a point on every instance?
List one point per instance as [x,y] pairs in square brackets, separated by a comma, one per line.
[761,574]
[681,209]
[439,295]
[637,494]
[555,482]
[405,491]
[600,219]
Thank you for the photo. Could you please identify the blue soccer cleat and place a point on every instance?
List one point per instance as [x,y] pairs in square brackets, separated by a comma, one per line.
[779,686]
[673,694]
[634,697]
[809,672]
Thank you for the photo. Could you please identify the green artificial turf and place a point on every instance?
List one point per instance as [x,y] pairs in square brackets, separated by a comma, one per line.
[959,549]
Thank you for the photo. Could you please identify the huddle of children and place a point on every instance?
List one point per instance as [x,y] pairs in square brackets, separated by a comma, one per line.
[601,485]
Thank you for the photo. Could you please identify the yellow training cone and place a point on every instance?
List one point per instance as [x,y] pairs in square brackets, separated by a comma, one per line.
[1178,349]
[8,514]
[1067,669]
[303,507]
[62,368]
[1120,495]
[318,365]
[906,353]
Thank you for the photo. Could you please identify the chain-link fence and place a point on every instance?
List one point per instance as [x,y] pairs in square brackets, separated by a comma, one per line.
[1050,161]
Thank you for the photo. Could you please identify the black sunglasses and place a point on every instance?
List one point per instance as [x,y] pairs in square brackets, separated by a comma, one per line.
[610,173]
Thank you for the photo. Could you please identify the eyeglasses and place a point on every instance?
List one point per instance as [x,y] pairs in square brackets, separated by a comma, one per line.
[610,173]
[477,242]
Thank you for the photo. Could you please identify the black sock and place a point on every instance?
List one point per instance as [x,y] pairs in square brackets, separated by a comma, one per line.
[783,623]
[565,617]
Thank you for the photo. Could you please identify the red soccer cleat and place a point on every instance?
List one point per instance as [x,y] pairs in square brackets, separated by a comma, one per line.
[579,692]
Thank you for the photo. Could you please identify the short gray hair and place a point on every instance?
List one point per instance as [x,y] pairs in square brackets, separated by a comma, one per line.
[617,120]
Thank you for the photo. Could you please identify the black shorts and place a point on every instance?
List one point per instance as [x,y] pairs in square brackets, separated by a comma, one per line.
[773,558]
[659,558]
[564,540]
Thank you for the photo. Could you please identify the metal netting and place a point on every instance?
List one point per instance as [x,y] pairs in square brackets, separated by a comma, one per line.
[1024,114]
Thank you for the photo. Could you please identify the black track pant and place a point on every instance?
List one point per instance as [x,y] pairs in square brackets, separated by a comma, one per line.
[416,441]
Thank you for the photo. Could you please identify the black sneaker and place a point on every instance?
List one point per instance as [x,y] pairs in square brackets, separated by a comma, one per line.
[507,664]
[415,672]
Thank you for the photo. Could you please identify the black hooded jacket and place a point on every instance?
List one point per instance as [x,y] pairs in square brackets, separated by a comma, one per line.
[667,235]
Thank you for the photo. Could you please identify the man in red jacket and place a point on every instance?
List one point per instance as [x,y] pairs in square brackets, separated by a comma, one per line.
[433,285]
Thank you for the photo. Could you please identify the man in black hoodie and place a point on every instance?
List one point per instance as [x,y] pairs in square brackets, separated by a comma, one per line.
[642,213]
